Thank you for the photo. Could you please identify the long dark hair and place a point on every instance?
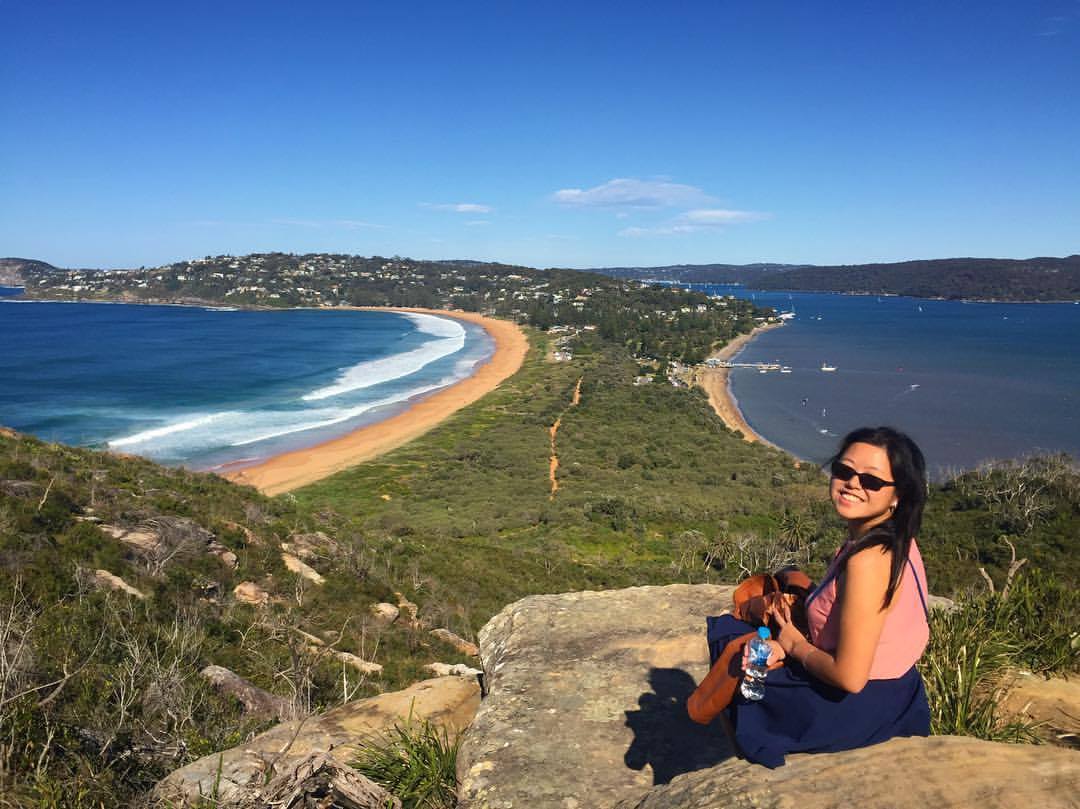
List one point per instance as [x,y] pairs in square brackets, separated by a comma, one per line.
[909,474]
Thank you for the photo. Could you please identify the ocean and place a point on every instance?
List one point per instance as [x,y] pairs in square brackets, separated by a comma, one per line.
[970,382]
[208,387]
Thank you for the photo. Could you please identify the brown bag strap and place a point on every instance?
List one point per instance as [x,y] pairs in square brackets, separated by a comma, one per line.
[716,690]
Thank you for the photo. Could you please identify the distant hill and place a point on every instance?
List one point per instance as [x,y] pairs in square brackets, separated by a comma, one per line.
[11,269]
[1033,279]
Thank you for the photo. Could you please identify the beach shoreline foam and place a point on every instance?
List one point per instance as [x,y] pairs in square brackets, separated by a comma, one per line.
[716,384]
[300,467]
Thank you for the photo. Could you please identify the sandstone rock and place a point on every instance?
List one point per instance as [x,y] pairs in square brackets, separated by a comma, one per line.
[229,558]
[250,537]
[410,610]
[587,698]
[448,702]
[1054,703]
[143,540]
[106,580]
[248,592]
[255,700]
[453,670]
[942,771]
[302,570]
[358,663]
[316,545]
[459,643]
[384,613]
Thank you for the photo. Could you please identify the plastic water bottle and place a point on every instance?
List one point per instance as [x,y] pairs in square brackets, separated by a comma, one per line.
[753,684]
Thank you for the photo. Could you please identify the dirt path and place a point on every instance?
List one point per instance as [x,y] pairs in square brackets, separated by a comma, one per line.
[553,432]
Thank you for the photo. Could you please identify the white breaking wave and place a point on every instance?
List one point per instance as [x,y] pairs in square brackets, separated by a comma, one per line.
[170,429]
[451,336]
[343,415]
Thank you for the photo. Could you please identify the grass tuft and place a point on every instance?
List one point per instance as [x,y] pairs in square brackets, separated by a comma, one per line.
[416,762]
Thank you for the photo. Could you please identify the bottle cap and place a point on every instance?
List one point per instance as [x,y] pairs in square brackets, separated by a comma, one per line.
[764,633]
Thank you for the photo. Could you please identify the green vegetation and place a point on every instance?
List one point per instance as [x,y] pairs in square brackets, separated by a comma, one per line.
[416,763]
[99,690]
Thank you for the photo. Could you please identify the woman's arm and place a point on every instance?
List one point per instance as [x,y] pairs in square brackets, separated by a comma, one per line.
[866,578]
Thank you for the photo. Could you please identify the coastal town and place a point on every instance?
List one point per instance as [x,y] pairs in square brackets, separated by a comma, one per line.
[659,323]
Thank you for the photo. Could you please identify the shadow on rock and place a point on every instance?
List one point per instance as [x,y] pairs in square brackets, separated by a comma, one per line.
[665,737]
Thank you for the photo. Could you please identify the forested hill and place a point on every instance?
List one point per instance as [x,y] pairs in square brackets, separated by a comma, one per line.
[1033,279]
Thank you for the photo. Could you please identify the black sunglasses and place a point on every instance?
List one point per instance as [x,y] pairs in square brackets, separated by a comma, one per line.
[872,483]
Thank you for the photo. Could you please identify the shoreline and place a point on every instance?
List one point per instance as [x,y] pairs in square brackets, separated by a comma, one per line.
[716,384]
[300,467]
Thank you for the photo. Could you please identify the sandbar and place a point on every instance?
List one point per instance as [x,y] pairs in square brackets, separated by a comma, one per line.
[714,381]
[291,470]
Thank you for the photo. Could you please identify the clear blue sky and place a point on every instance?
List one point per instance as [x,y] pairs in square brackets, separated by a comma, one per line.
[545,133]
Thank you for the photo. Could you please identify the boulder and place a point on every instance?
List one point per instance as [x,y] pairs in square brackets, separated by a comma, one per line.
[448,703]
[453,670]
[587,698]
[1054,704]
[107,581]
[316,545]
[942,771]
[301,569]
[21,488]
[256,701]
[459,643]
[248,592]
[143,540]
[385,614]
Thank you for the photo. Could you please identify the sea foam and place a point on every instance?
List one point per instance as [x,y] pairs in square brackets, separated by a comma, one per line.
[451,339]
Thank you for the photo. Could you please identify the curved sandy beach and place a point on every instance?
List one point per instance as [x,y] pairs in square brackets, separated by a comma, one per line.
[714,381]
[291,470]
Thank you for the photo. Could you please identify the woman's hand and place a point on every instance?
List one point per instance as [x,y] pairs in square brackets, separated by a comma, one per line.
[789,636]
[776,654]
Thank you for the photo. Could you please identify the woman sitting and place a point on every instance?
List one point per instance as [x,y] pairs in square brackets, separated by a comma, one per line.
[853,682]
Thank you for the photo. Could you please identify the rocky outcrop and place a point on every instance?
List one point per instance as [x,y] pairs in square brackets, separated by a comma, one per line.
[384,613]
[248,592]
[942,771]
[107,581]
[587,698]
[587,708]
[256,701]
[236,774]
[302,569]
[1052,704]
[458,642]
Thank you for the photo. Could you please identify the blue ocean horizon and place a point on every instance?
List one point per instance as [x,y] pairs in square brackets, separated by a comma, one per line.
[970,381]
[210,387]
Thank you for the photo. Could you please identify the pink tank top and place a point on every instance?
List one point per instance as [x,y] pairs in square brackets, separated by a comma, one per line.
[905,634]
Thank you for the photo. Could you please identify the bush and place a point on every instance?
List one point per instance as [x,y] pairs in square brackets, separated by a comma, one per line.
[415,762]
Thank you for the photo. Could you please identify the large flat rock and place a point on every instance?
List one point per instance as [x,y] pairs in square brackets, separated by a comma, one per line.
[943,772]
[587,698]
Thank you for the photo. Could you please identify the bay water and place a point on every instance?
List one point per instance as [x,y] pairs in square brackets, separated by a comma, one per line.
[969,381]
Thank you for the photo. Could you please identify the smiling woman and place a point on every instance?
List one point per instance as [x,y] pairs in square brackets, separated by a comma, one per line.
[847,678]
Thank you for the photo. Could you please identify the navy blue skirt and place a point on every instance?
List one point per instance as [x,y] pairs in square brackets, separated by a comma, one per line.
[800,714]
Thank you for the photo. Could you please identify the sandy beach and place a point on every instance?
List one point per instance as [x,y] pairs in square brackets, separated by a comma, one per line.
[291,470]
[714,381]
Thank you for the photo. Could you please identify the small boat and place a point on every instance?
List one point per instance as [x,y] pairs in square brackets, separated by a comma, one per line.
[785,370]
[826,367]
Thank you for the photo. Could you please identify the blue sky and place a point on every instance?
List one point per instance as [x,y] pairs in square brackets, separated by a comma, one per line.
[549,134]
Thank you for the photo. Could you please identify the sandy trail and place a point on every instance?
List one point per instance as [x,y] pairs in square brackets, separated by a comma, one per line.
[291,470]
[553,432]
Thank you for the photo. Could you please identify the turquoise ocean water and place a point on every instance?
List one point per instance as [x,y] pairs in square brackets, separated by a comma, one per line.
[969,381]
[206,387]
